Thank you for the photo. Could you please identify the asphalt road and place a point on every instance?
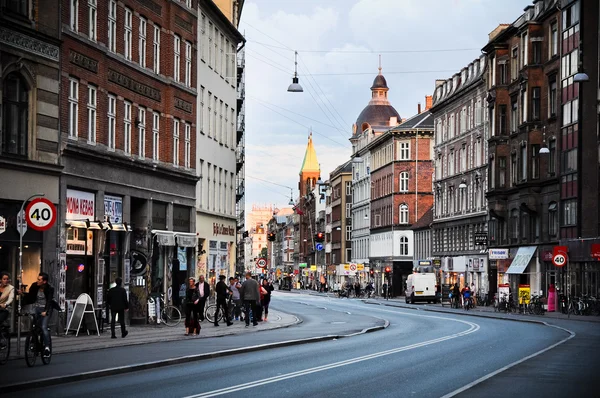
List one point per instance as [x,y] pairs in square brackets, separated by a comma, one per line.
[420,354]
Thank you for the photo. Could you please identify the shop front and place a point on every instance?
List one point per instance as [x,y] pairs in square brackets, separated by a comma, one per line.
[454,270]
[216,247]
[524,269]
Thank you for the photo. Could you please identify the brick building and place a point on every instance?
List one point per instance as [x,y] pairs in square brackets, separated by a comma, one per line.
[401,178]
[128,128]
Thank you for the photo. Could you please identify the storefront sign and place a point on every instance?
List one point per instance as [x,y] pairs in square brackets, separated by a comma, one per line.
[80,205]
[498,254]
[596,251]
[313,267]
[159,215]
[181,218]
[524,294]
[223,229]
[346,267]
[2,225]
[424,262]
[302,265]
[360,267]
[503,290]
[76,241]
[481,238]
[113,209]
[182,257]
[474,264]
[437,263]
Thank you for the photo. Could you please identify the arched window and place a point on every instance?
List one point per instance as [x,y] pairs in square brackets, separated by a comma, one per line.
[403,246]
[15,104]
[404,181]
[403,213]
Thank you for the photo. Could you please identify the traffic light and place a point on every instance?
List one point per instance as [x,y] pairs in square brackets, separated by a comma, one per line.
[372,272]
[319,237]
[388,271]
[271,236]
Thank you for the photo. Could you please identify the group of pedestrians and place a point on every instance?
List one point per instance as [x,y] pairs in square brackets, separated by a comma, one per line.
[250,296]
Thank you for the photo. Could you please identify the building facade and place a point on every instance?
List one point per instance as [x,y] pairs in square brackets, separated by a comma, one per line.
[220,138]
[460,182]
[401,178]
[30,141]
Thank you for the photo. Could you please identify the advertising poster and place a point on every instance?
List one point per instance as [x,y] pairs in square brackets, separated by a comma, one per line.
[62,284]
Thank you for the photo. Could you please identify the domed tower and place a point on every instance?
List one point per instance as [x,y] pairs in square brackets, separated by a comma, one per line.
[379,115]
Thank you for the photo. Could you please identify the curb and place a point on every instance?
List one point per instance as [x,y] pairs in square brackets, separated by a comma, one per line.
[52,381]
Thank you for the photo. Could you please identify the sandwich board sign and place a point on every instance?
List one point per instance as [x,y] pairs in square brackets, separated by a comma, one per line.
[83,310]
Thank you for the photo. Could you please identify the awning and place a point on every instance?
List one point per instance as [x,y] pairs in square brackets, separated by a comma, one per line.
[186,239]
[84,224]
[164,238]
[521,260]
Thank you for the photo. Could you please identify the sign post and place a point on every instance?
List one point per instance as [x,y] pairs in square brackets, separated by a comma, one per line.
[560,257]
[261,263]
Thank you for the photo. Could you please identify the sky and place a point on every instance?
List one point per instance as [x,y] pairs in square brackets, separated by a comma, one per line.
[338,44]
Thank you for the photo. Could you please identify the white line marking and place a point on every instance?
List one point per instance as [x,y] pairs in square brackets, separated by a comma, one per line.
[473,328]
[502,369]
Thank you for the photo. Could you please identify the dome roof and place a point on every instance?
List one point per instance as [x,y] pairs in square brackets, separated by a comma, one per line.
[376,115]
[379,82]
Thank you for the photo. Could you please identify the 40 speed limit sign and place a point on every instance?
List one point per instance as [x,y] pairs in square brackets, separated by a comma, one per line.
[40,214]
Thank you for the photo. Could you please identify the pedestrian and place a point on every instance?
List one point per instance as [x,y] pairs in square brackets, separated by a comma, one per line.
[203,293]
[456,295]
[41,295]
[222,295]
[250,294]
[191,302]
[117,301]
[234,286]
[7,294]
[267,288]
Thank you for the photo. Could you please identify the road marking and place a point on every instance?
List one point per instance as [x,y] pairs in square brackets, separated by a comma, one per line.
[502,369]
[227,390]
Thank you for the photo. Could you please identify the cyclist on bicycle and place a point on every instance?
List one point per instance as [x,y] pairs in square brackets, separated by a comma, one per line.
[41,295]
[466,293]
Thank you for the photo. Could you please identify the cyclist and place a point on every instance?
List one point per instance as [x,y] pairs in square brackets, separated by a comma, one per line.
[41,295]
[466,293]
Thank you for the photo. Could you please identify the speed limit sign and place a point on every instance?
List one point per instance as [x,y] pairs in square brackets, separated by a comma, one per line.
[40,214]
[261,263]
[559,255]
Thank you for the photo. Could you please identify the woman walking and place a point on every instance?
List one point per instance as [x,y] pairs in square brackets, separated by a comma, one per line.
[265,295]
[7,294]
[191,299]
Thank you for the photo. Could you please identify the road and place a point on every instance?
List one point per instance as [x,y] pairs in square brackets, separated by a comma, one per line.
[420,354]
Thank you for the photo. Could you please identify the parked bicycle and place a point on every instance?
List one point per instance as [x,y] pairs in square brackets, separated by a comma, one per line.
[210,315]
[4,342]
[34,344]
[169,314]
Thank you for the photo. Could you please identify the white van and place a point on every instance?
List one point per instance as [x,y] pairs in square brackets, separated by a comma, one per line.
[421,287]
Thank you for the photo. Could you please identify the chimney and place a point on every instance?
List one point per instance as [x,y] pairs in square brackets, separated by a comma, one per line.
[418,108]
[428,102]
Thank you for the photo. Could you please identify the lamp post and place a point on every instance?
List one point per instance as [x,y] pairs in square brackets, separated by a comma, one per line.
[21,217]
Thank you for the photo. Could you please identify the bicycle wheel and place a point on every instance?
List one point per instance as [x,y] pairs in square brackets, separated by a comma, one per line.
[30,351]
[171,316]
[4,346]
[46,359]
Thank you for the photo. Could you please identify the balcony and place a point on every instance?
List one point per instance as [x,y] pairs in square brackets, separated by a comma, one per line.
[240,158]
[239,191]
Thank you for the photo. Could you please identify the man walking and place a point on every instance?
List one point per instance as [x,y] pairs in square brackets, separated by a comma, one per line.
[203,293]
[117,301]
[234,286]
[222,295]
[251,294]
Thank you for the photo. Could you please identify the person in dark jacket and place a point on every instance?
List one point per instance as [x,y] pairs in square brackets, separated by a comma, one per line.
[266,297]
[222,295]
[41,295]
[203,294]
[191,315]
[117,301]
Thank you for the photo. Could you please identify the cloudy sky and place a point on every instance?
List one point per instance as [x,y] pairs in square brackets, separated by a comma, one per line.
[338,43]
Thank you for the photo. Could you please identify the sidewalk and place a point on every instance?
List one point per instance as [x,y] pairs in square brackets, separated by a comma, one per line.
[144,334]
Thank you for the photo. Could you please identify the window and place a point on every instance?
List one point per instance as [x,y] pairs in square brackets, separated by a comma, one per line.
[552,98]
[74,24]
[523,162]
[209,115]
[210,44]
[403,246]
[15,111]
[142,42]
[404,150]
[524,49]
[188,64]
[127,128]
[188,145]
[514,64]
[570,112]
[404,181]
[348,188]
[155,135]
[503,73]
[569,210]
[552,157]
[523,105]
[175,142]
[93,20]
[553,39]
[156,48]
[127,35]
[403,213]
[552,219]
[348,233]
[177,58]
[502,123]
[91,108]
[214,126]
[514,116]
[73,108]
[535,161]
[536,100]
[570,16]
[112,117]
[537,51]
[142,133]
[514,220]
[348,210]
[513,169]
[112,26]
[201,45]
[201,111]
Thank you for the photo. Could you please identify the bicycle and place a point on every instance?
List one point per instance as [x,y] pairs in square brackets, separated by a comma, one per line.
[4,342]
[210,315]
[34,344]
[169,314]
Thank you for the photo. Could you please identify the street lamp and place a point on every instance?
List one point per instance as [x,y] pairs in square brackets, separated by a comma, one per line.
[581,77]
[295,87]
[544,149]
[463,184]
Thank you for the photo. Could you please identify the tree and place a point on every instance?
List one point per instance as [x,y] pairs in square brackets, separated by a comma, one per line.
[263,252]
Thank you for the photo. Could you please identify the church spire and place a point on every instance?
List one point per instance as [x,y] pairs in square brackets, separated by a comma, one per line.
[310,163]
[380,64]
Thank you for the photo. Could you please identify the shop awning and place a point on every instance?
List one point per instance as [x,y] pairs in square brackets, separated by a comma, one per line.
[84,224]
[164,238]
[186,239]
[521,260]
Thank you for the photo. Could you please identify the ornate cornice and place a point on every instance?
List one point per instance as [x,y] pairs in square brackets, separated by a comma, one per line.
[29,44]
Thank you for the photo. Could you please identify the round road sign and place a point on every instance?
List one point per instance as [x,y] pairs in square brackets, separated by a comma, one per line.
[261,263]
[40,214]
[352,267]
[559,260]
